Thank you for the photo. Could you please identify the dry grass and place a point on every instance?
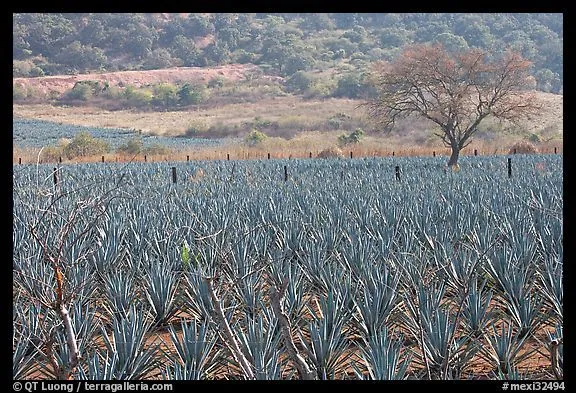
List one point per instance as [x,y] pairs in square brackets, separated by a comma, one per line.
[301,126]
[61,83]
[171,123]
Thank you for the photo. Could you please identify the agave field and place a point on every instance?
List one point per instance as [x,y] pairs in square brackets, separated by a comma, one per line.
[289,269]
[39,133]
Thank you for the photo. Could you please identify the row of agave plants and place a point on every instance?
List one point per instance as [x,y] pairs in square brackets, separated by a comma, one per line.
[341,272]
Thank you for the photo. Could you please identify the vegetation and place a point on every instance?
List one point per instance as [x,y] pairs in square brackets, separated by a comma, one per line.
[120,274]
[331,152]
[456,92]
[351,139]
[255,138]
[84,145]
[312,265]
[283,44]
[523,147]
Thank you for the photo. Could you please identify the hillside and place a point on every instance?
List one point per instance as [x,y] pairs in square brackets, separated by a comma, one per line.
[293,77]
[62,83]
[281,44]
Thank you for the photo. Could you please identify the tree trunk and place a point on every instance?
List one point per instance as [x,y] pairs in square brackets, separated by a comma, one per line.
[454,156]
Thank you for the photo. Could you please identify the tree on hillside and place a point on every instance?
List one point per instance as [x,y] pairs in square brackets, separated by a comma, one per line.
[455,91]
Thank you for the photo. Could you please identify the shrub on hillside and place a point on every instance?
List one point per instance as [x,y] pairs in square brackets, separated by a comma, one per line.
[189,94]
[80,91]
[216,82]
[132,146]
[137,97]
[255,138]
[351,139]
[195,129]
[85,145]
[165,95]
[18,93]
[298,82]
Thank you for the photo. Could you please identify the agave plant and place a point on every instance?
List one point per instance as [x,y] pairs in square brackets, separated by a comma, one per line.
[515,282]
[100,366]
[120,290]
[248,289]
[504,349]
[197,295]
[279,268]
[433,326]
[513,374]
[552,286]
[438,256]
[327,346]
[476,310]
[195,347]
[110,250]
[381,355]
[160,287]
[26,340]
[260,340]
[126,347]
[86,325]
[379,298]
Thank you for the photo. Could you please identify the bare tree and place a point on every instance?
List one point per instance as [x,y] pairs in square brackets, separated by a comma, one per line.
[60,228]
[455,91]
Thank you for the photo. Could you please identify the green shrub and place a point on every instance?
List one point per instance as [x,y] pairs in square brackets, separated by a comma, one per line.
[298,82]
[138,97]
[192,94]
[351,139]
[255,138]
[216,82]
[349,86]
[85,145]
[52,153]
[132,146]
[195,129]
[165,95]
[331,152]
[80,91]
[321,88]
[260,124]
[18,92]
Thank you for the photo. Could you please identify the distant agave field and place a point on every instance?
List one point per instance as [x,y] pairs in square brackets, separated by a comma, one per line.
[38,133]
[230,270]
